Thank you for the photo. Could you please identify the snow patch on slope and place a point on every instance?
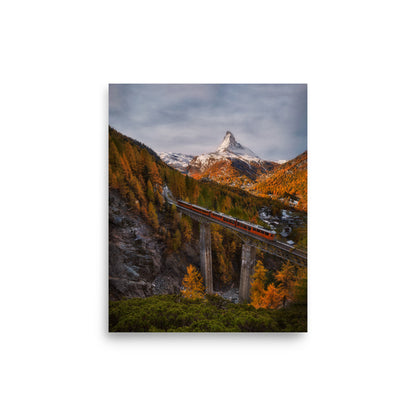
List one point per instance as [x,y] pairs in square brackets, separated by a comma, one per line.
[178,161]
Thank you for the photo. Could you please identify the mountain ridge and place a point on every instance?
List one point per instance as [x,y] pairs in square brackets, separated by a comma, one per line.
[150,244]
[230,164]
[287,182]
[179,161]
[236,165]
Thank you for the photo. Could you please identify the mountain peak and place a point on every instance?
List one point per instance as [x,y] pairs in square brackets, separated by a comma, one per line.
[228,143]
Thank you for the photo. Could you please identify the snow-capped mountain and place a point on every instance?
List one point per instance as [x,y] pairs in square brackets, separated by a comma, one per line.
[231,163]
[178,161]
[228,149]
[231,147]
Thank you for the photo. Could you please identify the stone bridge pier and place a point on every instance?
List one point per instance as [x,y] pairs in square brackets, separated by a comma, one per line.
[248,255]
[206,256]
[248,259]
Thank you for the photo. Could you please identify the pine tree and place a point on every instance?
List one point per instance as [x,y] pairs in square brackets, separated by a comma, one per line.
[160,201]
[186,229]
[132,156]
[123,186]
[154,174]
[144,213]
[233,248]
[126,167]
[138,189]
[153,216]
[132,199]
[112,178]
[258,280]
[150,193]
[225,268]
[286,279]
[140,162]
[114,156]
[272,297]
[301,286]
[192,283]
[176,240]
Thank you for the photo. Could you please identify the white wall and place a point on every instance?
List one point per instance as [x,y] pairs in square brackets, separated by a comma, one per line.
[357,58]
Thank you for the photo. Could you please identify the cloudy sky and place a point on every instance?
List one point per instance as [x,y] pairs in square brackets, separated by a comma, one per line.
[270,119]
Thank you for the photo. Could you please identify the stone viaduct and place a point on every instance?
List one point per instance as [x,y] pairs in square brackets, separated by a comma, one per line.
[251,242]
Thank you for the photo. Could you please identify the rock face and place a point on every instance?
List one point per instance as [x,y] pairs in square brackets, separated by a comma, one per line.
[138,263]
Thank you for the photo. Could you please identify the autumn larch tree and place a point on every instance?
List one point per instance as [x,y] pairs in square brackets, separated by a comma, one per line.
[272,297]
[176,240]
[258,280]
[153,216]
[286,279]
[301,286]
[192,283]
[186,229]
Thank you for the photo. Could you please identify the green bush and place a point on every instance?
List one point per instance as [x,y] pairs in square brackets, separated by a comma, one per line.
[173,313]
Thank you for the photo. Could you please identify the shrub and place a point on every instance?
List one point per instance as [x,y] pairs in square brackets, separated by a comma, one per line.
[173,313]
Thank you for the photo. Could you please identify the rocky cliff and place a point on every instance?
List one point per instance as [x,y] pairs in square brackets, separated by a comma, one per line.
[139,264]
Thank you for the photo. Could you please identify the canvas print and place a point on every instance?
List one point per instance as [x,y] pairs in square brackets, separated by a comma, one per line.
[207,207]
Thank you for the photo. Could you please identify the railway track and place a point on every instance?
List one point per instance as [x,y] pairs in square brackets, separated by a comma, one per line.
[295,255]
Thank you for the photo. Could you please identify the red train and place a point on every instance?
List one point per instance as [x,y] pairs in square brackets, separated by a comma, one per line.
[246,226]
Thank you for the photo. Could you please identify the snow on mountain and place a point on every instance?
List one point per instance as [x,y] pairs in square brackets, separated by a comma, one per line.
[230,145]
[178,161]
[230,164]
[229,149]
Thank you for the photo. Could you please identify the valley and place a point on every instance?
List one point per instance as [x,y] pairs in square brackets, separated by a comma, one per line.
[152,244]
[235,165]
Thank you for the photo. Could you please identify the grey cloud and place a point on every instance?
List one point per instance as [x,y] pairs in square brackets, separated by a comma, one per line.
[188,118]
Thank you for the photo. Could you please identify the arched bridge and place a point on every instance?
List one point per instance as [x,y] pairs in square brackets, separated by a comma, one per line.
[251,242]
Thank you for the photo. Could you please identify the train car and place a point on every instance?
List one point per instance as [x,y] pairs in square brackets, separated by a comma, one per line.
[192,207]
[246,226]
[229,220]
[256,229]
[216,215]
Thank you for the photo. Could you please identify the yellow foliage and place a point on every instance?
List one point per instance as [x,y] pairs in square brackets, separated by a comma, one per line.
[291,177]
[153,216]
[126,167]
[272,297]
[257,291]
[283,290]
[192,283]
[286,278]
[186,229]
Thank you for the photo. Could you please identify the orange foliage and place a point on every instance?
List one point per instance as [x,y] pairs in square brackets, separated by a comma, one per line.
[289,178]
[258,280]
[272,297]
[279,293]
[286,279]
[193,285]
